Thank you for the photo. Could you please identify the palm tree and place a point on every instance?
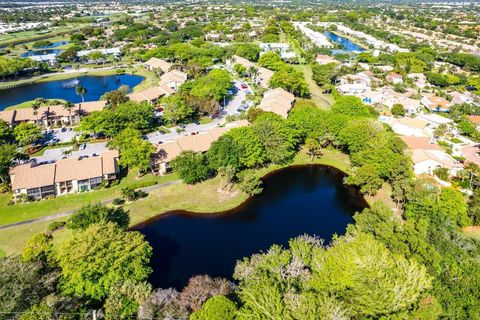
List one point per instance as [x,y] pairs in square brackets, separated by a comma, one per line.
[81,91]
[35,106]
[68,106]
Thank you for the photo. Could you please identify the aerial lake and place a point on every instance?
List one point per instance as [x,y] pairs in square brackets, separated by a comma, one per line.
[347,44]
[65,89]
[297,200]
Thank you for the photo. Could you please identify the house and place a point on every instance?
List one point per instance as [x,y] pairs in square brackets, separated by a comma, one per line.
[411,106]
[172,80]
[158,65]
[278,101]
[372,97]
[106,52]
[475,119]
[52,115]
[150,95]
[65,176]
[394,78]
[167,151]
[461,98]
[385,68]
[8,116]
[436,103]
[425,161]
[324,59]
[409,127]
[50,59]
[419,79]
[435,120]
[420,143]
[262,76]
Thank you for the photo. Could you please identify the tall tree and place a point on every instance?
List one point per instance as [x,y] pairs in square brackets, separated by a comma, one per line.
[96,259]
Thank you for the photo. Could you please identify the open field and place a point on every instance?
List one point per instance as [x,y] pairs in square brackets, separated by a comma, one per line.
[34,35]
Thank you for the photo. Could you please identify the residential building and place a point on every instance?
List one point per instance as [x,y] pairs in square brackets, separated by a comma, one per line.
[436,103]
[419,79]
[201,142]
[414,127]
[106,52]
[325,59]
[425,161]
[278,101]
[158,65]
[172,80]
[64,176]
[411,106]
[394,78]
[262,76]
[52,115]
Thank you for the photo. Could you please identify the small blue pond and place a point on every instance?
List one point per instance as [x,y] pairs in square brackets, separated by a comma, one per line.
[65,89]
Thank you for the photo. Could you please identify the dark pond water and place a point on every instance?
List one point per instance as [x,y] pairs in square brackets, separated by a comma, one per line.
[65,89]
[348,45]
[296,200]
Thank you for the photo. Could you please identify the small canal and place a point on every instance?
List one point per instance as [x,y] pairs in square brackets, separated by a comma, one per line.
[297,200]
[346,43]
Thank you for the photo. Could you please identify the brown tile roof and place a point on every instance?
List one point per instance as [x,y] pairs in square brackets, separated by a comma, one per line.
[474,119]
[60,111]
[173,76]
[167,151]
[75,169]
[278,101]
[198,143]
[27,176]
[7,116]
[26,114]
[91,106]
[159,63]
[420,143]
[149,94]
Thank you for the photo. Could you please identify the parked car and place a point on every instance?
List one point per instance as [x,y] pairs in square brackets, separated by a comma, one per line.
[244,86]
[82,146]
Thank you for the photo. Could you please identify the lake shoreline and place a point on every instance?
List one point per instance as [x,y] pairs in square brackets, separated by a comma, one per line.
[231,211]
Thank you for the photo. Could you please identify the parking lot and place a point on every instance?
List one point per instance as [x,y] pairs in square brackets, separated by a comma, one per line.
[55,154]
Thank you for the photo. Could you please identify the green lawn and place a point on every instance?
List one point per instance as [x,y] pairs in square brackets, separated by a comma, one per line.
[322,100]
[28,104]
[22,212]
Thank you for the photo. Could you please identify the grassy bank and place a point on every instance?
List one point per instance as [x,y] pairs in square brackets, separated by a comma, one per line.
[27,211]
[28,104]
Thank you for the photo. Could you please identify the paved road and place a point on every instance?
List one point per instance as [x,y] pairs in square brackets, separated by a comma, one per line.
[230,109]
[67,213]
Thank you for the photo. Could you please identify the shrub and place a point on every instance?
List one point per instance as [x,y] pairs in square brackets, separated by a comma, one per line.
[118,201]
[97,213]
[442,174]
[251,185]
[55,225]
